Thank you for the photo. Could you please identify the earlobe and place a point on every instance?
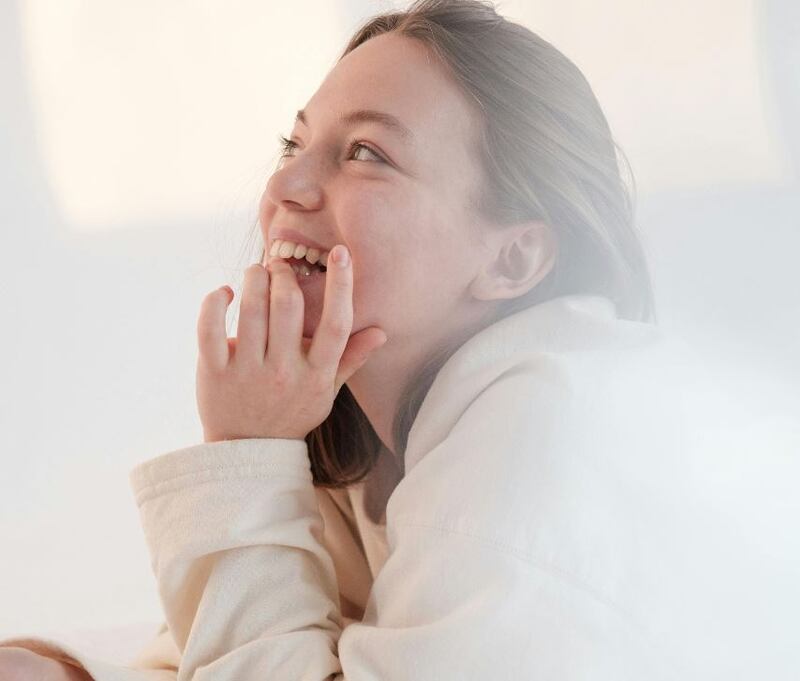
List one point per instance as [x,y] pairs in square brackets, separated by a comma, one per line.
[520,262]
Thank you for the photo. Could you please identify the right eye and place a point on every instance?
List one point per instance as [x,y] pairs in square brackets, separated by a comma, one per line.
[286,145]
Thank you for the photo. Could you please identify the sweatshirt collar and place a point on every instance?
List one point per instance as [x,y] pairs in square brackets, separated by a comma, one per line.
[571,322]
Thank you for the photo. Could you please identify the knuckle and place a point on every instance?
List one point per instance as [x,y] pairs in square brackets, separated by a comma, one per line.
[338,326]
[282,375]
[286,298]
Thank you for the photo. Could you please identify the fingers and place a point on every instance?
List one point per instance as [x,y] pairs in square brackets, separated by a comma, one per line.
[253,321]
[330,338]
[287,308]
[211,333]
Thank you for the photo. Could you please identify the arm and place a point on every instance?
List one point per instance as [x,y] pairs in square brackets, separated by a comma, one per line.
[235,536]
[24,659]
[249,589]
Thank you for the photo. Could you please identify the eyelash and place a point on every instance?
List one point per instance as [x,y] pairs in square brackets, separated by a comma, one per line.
[287,144]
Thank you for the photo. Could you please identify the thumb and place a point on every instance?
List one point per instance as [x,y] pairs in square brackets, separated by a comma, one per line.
[357,351]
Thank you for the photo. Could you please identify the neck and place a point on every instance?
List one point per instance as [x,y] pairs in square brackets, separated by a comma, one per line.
[381,382]
[377,387]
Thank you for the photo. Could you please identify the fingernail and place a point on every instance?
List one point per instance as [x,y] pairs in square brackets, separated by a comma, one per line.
[341,256]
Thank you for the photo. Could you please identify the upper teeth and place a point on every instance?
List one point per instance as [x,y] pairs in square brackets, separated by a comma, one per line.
[288,249]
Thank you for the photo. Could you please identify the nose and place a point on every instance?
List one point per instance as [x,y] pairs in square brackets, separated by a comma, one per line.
[295,185]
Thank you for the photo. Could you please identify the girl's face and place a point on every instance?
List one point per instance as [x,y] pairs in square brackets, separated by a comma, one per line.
[399,202]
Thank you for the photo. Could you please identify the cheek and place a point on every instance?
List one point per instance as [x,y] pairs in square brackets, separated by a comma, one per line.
[396,239]
[374,227]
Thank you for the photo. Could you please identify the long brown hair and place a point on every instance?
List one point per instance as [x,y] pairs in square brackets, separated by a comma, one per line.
[547,154]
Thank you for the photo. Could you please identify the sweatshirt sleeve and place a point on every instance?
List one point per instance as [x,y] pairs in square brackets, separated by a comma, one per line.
[249,590]
[236,543]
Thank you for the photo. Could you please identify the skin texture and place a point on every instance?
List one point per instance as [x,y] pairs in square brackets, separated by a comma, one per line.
[21,664]
[426,267]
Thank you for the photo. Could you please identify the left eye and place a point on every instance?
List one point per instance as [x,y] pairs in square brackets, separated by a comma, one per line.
[288,146]
[358,145]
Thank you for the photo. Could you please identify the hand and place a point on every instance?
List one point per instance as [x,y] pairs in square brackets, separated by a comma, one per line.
[21,664]
[270,382]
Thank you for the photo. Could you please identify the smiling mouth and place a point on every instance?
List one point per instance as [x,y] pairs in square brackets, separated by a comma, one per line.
[303,268]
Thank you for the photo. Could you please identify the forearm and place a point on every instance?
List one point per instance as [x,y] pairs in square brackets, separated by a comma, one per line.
[22,664]
[235,536]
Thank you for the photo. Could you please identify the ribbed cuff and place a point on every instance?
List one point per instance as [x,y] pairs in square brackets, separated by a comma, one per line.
[220,460]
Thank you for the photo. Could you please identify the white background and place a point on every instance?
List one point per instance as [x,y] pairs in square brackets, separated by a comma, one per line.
[135,141]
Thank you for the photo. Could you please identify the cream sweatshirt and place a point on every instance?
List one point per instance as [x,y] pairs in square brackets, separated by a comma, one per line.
[553,523]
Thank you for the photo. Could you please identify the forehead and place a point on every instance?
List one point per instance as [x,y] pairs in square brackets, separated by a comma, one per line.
[401,77]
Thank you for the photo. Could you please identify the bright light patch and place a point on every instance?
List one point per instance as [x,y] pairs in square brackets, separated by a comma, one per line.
[678,81]
[158,111]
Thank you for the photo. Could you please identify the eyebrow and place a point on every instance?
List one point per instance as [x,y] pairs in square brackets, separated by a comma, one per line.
[361,115]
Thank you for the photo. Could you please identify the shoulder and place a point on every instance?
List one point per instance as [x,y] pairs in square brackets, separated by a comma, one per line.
[585,447]
[565,386]
[567,450]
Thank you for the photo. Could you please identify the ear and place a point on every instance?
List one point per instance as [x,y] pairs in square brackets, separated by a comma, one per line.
[520,256]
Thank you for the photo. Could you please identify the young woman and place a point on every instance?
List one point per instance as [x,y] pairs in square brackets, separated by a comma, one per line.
[435,459]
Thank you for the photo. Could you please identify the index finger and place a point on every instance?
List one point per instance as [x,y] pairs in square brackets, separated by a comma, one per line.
[333,332]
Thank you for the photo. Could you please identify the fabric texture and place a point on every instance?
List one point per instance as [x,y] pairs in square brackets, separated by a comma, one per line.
[551,524]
